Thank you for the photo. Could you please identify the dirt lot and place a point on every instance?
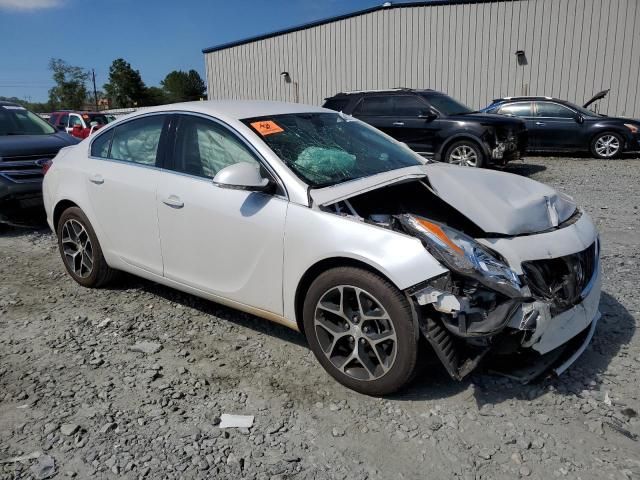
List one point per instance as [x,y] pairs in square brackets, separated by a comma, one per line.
[73,392]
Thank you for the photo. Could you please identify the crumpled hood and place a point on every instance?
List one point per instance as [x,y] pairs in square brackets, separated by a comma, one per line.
[498,202]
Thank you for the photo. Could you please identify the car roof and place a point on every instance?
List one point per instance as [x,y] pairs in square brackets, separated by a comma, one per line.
[9,104]
[528,97]
[237,109]
[388,91]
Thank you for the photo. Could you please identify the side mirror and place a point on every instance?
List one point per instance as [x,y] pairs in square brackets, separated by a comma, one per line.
[579,118]
[242,176]
[428,115]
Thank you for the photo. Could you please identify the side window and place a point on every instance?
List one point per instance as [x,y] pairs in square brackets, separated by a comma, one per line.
[518,109]
[375,107]
[203,147]
[62,121]
[408,106]
[137,141]
[553,110]
[74,120]
[100,146]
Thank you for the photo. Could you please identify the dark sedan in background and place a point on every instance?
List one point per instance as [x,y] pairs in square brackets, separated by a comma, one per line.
[436,125]
[556,125]
[27,143]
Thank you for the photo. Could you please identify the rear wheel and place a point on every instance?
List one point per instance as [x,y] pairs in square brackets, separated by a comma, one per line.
[80,250]
[606,145]
[361,329]
[464,152]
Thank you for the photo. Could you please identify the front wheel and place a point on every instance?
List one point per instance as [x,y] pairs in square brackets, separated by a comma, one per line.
[466,153]
[606,145]
[361,329]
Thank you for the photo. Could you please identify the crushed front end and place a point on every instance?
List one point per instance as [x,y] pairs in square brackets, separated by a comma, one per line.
[541,323]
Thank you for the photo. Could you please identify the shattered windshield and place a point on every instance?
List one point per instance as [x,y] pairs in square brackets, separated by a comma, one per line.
[328,148]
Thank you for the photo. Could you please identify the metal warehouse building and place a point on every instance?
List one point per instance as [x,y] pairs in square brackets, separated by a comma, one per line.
[473,50]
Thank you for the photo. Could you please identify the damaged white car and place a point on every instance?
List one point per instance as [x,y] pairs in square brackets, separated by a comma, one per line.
[312,219]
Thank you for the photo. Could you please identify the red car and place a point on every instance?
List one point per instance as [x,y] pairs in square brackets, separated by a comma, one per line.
[78,124]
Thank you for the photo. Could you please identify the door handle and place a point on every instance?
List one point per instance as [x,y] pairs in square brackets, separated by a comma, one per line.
[97,179]
[173,201]
[540,123]
[398,124]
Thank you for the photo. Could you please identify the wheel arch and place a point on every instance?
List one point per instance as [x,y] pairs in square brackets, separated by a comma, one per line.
[320,267]
[464,136]
[60,207]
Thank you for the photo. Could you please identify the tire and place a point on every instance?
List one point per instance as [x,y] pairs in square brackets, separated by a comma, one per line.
[465,152]
[385,348]
[602,143]
[75,234]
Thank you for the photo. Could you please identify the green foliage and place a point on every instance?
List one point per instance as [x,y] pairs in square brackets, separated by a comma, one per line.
[155,96]
[125,87]
[70,90]
[182,86]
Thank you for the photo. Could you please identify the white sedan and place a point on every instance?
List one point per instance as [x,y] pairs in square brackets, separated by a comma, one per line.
[317,221]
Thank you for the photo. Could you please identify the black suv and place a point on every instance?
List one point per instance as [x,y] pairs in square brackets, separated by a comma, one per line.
[27,143]
[437,126]
[556,125]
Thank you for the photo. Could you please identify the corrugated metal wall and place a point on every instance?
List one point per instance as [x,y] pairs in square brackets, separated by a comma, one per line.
[574,48]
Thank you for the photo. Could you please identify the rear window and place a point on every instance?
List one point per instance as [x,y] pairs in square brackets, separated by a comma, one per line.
[336,104]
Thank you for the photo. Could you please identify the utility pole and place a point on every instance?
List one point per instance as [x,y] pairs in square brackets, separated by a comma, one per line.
[95,91]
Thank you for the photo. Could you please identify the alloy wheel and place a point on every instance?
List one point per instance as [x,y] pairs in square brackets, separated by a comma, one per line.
[77,248]
[464,155]
[355,332]
[607,146]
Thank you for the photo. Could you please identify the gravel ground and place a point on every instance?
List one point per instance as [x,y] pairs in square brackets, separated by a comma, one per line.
[78,401]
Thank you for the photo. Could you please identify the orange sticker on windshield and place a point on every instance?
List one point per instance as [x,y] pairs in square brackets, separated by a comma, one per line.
[266,127]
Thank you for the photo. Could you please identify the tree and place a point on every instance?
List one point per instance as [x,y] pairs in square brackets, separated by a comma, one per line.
[182,86]
[70,90]
[155,96]
[125,87]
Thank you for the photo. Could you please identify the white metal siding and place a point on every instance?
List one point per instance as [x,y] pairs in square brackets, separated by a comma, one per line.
[574,49]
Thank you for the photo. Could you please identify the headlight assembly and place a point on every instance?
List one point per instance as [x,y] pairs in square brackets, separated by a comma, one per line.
[463,255]
[632,127]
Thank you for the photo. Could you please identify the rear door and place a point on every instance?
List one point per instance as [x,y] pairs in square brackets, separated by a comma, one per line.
[525,111]
[122,178]
[556,127]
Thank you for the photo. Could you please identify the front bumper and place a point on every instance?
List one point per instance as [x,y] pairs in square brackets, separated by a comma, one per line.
[521,338]
[18,200]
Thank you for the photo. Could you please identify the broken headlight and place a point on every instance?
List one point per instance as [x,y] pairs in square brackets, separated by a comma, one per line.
[463,255]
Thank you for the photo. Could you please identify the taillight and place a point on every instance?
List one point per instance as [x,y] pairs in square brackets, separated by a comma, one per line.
[46,166]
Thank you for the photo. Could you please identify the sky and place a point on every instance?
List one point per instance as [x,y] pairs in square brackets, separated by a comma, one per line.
[154,36]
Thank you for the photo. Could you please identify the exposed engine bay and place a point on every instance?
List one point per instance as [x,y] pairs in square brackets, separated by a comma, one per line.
[533,310]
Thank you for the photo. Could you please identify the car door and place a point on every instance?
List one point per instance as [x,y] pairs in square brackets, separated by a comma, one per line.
[525,111]
[557,127]
[63,121]
[412,125]
[223,241]
[74,121]
[376,110]
[122,178]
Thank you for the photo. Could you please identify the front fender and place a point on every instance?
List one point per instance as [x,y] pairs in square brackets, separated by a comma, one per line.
[465,135]
[312,236]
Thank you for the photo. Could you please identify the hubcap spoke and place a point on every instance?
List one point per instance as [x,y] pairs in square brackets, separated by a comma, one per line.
[607,145]
[76,248]
[355,332]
